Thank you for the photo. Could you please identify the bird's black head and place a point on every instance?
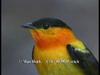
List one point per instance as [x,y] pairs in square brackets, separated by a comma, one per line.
[50,32]
[45,23]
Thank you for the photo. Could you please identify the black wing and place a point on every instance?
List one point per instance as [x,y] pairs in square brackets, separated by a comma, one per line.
[86,60]
[33,53]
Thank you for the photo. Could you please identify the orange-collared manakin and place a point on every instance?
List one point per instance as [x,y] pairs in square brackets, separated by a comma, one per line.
[59,50]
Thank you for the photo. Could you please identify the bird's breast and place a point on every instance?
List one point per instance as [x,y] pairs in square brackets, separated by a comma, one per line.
[49,62]
[51,53]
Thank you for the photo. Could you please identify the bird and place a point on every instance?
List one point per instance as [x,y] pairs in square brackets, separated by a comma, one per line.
[59,50]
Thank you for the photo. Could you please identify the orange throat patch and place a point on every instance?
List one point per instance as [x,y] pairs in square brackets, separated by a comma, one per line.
[60,38]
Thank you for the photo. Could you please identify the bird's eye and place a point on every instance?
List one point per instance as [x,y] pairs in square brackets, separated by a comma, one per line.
[46,26]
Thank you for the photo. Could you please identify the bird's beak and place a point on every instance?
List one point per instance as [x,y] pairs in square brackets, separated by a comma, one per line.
[29,26]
